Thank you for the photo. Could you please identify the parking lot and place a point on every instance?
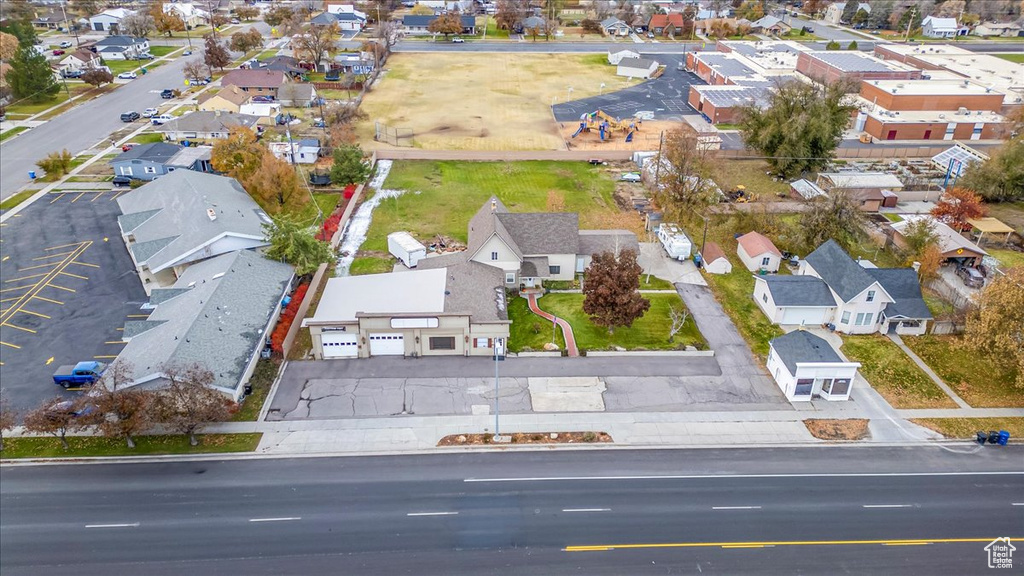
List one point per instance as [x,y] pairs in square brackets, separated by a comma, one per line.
[666,96]
[68,286]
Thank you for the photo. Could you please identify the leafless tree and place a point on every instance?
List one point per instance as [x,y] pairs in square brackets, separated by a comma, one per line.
[678,317]
[121,411]
[195,70]
[56,417]
[316,43]
[685,171]
[189,403]
[138,25]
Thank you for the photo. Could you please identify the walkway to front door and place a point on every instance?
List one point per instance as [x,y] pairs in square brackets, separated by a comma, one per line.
[570,341]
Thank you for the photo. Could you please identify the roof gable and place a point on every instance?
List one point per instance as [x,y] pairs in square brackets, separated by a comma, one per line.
[755,244]
[903,286]
[833,265]
[158,152]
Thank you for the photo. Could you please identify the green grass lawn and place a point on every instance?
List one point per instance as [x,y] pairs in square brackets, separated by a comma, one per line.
[442,196]
[892,217]
[84,446]
[648,333]
[734,291]
[937,305]
[749,173]
[1018,58]
[12,132]
[529,331]
[148,138]
[980,382]
[652,283]
[159,51]
[968,427]
[893,374]
[1007,258]
[371,265]
[16,199]
[26,108]
[493,32]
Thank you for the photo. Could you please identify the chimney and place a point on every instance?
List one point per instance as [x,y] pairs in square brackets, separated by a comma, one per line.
[494,204]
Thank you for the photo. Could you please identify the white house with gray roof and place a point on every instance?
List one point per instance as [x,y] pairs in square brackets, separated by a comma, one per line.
[205,125]
[218,314]
[832,288]
[806,366]
[184,217]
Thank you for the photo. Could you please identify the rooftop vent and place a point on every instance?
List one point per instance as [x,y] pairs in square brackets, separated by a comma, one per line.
[211,213]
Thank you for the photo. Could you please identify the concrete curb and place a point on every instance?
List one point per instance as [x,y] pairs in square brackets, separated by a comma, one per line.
[596,353]
[269,400]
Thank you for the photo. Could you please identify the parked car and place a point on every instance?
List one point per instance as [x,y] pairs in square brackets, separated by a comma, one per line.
[58,52]
[65,44]
[201,81]
[72,74]
[631,177]
[68,406]
[129,116]
[458,40]
[650,35]
[319,123]
[333,75]
[970,276]
[78,375]
[145,56]
[150,112]
[127,76]
[236,21]
[162,118]
[186,53]
[319,178]
[122,181]
[167,93]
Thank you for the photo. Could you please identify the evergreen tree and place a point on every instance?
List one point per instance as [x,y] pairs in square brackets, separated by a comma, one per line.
[30,76]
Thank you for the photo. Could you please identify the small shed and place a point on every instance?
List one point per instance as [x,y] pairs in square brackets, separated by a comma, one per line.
[714,261]
[636,68]
[758,253]
[806,189]
[615,57]
[403,246]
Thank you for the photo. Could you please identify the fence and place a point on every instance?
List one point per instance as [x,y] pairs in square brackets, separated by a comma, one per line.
[392,136]
[356,87]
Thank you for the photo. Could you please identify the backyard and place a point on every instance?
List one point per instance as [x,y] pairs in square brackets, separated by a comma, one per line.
[490,101]
[980,382]
[893,374]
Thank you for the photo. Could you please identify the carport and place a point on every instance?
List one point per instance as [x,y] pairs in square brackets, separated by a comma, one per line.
[989,225]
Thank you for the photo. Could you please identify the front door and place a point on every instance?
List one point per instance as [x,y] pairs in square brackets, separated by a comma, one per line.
[927,134]
[891,135]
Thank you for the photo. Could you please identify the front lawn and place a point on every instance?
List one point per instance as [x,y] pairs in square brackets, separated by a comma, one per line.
[148,138]
[1007,258]
[980,382]
[650,282]
[371,265]
[160,51]
[1018,58]
[27,108]
[893,374]
[734,291]
[12,132]
[529,331]
[648,333]
[968,427]
[86,446]
[441,197]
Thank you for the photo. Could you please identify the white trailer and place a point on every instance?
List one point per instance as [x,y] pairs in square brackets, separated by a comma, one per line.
[675,241]
[403,246]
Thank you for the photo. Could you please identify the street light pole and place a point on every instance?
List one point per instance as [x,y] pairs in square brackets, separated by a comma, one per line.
[499,349]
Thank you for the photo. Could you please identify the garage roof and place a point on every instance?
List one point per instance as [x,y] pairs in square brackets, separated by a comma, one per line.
[799,291]
[413,292]
[802,346]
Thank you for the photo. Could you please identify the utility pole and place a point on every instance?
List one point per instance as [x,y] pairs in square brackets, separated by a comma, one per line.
[910,22]
[657,167]
[499,354]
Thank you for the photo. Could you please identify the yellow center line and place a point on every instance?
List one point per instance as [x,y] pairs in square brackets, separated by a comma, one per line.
[59,196]
[25,278]
[18,327]
[85,264]
[34,290]
[77,197]
[745,546]
[73,275]
[59,287]
[23,311]
[15,346]
[914,542]
[38,297]
[37,266]
[52,256]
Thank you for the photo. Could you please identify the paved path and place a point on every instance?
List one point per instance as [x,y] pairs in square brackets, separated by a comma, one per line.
[570,340]
[927,370]
[962,413]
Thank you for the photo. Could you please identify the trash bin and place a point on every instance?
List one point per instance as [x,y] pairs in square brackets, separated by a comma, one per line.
[248,389]
[993,437]
[32,174]
[1004,437]
[982,437]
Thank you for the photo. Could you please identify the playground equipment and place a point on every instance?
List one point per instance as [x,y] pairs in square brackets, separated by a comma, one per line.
[606,126]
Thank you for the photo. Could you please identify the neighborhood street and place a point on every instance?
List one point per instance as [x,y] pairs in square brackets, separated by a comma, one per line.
[738,511]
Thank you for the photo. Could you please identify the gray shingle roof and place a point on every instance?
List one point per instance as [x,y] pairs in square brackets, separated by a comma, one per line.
[208,121]
[639,63]
[543,232]
[158,152]
[216,322]
[836,268]
[536,266]
[598,241]
[484,224]
[476,289]
[802,346]
[182,224]
[903,286]
[799,291]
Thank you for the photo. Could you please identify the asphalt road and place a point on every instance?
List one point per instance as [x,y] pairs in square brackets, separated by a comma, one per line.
[881,510]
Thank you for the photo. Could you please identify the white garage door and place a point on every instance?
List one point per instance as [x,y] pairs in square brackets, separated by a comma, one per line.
[387,345]
[339,345]
[806,316]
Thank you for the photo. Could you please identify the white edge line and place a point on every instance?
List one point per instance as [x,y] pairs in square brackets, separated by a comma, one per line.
[432,514]
[291,518]
[886,505]
[132,525]
[735,507]
[1017,504]
[586,509]
[726,476]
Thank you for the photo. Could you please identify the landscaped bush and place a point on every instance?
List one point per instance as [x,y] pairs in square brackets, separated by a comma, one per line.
[287,317]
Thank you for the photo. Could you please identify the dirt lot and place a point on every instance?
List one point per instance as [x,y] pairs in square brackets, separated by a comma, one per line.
[481,101]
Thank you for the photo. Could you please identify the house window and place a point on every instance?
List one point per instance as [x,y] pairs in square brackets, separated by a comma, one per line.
[826,386]
[846,318]
[553,270]
[150,170]
[442,342]
[494,255]
[481,343]
[871,295]
[765,261]
[764,297]
[126,170]
[864,318]
[510,278]
[804,386]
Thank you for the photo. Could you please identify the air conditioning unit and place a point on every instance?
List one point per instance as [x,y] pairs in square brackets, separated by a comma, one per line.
[962,111]
[211,213]
[942,116]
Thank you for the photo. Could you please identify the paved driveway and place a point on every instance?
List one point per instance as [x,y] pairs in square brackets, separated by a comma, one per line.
[655,261]
[68,285]
[665,96]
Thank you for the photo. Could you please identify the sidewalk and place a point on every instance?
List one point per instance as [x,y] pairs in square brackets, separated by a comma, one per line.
[570,340]
[929,372]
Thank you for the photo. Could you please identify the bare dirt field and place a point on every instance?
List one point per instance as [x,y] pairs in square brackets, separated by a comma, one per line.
[476,101]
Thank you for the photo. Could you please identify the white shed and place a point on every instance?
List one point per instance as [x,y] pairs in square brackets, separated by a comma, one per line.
[403,246]
[636,68]
[675,241]
[713,260]
[615,57]
[758,253]
[805,366]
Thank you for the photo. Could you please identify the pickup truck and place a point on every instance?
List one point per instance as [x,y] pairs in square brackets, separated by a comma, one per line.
[81,374]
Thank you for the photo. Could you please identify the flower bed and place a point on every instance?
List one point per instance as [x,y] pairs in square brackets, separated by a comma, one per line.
[287,317]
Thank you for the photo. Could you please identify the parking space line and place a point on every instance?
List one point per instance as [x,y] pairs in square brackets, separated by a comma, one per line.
[37,266]
[96,197]
[77,197]
[18,327]
[25,278]
[9,299]
[62,246]
[58,287]
[116,342]
[104,357]
[138,315]
[59,196]
[34,290]
[23,311]
[73,275]
[85,264]
[19,287]
[38,297]
[15,346]
[114,197]
[52,256]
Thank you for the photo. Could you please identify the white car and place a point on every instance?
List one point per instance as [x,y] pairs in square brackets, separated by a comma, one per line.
[127,76]
[65,44]
[150,112]
[458,40]
[631,177]
[163,118]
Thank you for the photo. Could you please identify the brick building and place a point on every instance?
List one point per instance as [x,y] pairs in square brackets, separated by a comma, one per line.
[830,66]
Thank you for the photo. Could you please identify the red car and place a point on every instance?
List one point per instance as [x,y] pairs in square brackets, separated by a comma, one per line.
[58,52]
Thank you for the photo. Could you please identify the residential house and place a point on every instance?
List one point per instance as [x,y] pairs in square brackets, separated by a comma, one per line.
[286,64]
[121,47]
[956,250]
[186,217]
[417,25]
[806,366]
[832,288]
[666,24]
[933,27]
[150,161]
[108,20]
[297,95]
[218,315]
[205,125]
[455,309]
[615,57]
[81,59]
[713,259]
[636,68]
[834,12]
[1001,29]
[189,13]
[346,21]
[228,99]
[615,27]
[871,190]
[266,111]
[257,82]
[51,21]
[770,25]
[758,253]
[530,24]
[305,151]
[357,64]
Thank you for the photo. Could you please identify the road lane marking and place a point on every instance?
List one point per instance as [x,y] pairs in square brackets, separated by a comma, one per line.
[63,246]
[19,288]
[735,507]
[586,509]
[34,290]
[607,547]
[116,342]
[748,546]
[432,514]
[132,525]
[906,544]
[104,357]
[1017,504]
[743,476]
[285,519]
[887,505]
[138,316]
[52,256]
[37,266]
